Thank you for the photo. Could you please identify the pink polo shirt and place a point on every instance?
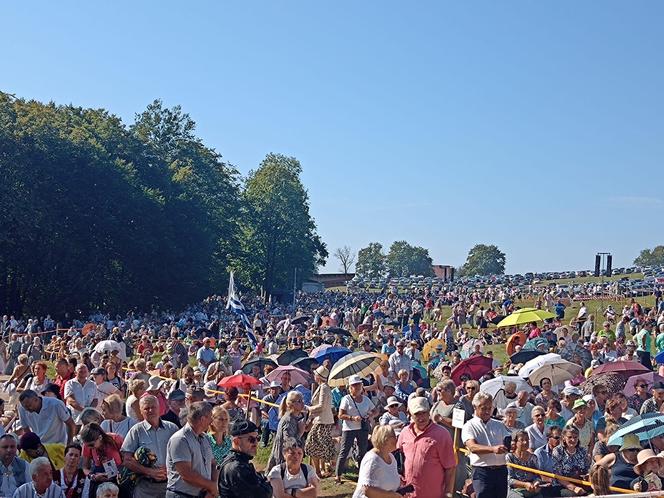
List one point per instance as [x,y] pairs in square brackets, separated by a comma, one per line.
[427,456]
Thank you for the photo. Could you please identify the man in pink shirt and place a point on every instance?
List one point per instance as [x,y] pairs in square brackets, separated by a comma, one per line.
[428,453]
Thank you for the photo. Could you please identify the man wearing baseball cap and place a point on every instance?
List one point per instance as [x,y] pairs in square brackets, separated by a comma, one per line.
[428,453]
[237,476]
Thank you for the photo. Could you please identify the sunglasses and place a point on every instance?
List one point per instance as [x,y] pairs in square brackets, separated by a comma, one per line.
[251,439]
[557,438]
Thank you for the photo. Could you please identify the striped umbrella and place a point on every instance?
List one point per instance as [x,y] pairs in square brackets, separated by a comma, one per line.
[360,363]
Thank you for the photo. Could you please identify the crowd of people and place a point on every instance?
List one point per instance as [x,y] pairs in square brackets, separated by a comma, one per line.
[141,405]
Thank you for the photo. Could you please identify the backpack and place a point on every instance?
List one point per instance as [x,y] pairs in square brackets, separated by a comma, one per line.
[303,468]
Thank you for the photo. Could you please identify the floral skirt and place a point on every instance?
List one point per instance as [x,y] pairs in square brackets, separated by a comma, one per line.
[320,443]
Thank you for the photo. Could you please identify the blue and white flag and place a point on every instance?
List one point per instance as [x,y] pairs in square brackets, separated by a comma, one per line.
[236,305]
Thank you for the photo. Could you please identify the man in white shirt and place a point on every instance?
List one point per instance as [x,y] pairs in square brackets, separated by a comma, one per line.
[484,438]
[400,361]
[80,392]
[46,417]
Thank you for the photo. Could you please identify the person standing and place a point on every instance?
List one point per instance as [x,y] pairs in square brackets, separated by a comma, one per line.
[378,475]
[643,343]
[80,392]
[485,440]
[237,476]
[189,461]
[152,433]
[46,417]
[319,445]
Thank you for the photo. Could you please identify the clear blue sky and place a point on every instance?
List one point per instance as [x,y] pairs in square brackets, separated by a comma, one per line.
[536,126]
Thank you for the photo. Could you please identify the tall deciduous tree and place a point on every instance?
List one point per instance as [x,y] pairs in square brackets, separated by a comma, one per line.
[371,261]
[404,259]
[279,234]
[651,257]
[346,258]
[484,260]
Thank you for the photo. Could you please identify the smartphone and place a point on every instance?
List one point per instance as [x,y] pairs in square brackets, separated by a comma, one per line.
[507,442]
[406,489]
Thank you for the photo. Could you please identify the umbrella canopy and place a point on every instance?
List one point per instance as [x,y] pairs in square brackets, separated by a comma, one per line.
[525,315]
[659,358]
[525,356]
[109,346]
[305,364]
[318,349]
[87,328]
[298,376]
[493,386]
[474,367]
[290,355]
[516,339]
[531,365]
[613,382]
[536,344]
[333,354]
[469,346]
[557,371]
[360,363]
[646,426]
[300,319]
[339,331]
[430,347]
[239,380]
[261,362]
[648,378]
[621,367]
[420,376]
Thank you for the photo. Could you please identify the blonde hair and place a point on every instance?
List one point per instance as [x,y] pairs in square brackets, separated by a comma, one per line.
[380,435]
[114,403]
[136,385]
[287,402]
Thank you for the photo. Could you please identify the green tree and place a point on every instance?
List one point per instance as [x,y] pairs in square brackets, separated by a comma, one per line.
[651,257]
[484,260]
[404,260]
[371,261]
[279,234]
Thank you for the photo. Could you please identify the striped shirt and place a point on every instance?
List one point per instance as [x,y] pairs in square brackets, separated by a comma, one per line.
[28,490]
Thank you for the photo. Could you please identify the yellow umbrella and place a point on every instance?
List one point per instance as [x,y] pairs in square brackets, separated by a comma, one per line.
[430,346]
[525,315]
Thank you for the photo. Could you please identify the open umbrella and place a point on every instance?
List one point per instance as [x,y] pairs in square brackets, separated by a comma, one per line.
[298,376]
[420,376]
[333,354]
[659,358]
[360,363]
[516,339]
[318,349]
[529,366]
[557,371]
[430,346]
[525,356]
[525,315]
[621,367]
[290,355]
[648,378]
[239,380]
[613,382]
[646,426]
[493,386]
[109,346]
[261,362]
[474,367]
[536,344]
[305,364]
[339,331]
[300,319]
[469,346]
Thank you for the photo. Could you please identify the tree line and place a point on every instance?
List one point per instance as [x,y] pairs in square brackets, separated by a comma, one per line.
[96,214]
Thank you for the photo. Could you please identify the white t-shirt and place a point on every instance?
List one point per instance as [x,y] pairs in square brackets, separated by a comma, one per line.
[49,423]
[376,473]
[294,481]
[348,405]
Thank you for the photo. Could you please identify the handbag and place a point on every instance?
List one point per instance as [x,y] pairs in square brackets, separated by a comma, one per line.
[364,423]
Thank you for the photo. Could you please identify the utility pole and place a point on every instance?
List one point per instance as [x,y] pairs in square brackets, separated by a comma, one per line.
[294,289]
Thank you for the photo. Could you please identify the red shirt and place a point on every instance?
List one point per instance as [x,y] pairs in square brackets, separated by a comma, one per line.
[111,452]
[60,382]
[427,456]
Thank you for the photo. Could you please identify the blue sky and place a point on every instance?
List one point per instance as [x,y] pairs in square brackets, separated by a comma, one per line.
[535,126]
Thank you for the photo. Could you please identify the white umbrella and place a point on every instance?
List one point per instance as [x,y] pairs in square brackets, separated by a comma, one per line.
[109,346]
[535,363]
[493,386]
[557,371]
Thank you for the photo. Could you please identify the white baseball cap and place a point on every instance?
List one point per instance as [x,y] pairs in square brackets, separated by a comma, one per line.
[354,379]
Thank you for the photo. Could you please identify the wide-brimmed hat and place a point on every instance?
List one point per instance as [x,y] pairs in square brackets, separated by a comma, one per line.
[392,400]
[643,457]
[630,442]
[322,372]
[154,383]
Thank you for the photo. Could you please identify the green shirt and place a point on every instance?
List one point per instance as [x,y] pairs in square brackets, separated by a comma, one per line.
[643,340]
[659,342]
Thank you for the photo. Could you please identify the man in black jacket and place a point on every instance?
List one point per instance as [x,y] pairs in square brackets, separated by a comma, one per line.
[237,476]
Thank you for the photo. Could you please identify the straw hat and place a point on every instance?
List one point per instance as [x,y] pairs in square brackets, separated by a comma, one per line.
[630,442]
[322,372]
[643,457]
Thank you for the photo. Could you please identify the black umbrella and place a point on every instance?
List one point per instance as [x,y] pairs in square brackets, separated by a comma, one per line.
[261,362]
[339,331]
[496,320]
[300,319]
[305,364]
[290,355]
[524,356]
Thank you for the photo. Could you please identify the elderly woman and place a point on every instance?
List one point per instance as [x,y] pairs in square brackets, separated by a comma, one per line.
[571,459]
[72,478]
[510,419]
[622,463]
[292,477]
[291,425]
[320,445]
[522,483]
[546,395]
[378,476]
[136,390]
[355,413]
[535,431]
[114,420]
[404,387]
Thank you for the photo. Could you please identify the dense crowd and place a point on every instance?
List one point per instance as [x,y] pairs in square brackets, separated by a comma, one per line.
[178,404]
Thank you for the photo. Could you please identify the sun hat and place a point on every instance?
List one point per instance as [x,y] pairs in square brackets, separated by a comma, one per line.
[154,383]
[643,457]
[273,384]
[392,400]
[418,405]
[572,391]
[322,372]
[354,379]
[579,403]
[630,442]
